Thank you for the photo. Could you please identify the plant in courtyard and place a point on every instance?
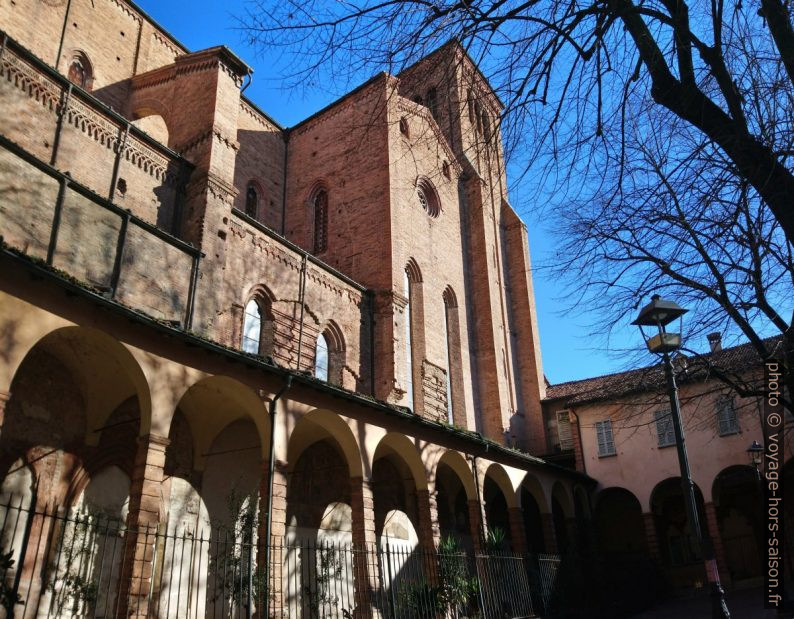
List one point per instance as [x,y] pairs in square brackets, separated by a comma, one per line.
[73,587]
[320,592]
[420,600]
[495,539]
[8,597]
[238,581]
[458,587]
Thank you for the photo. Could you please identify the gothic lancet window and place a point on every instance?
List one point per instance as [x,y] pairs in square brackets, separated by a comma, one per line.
[320,204]
[321,358]
[252,328]
[251,200]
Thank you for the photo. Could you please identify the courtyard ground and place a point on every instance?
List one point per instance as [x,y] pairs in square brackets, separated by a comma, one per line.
[742,604]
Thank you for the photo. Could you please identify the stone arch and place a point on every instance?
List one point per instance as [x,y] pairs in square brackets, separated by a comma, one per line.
[499,475]
[455,461]
[398,474]
[112,369]
[214,402]
[65,390]
[680,549]
[321,424]
[407,451]
[455,492]
[736,498]
[153,124]
[534,488]
[618,523]
[559,493]
[151,116]
[499,498]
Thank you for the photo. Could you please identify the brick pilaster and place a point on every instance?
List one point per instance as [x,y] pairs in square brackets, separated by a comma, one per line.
[143,520]
[713,531]
[278,529]
[475,524]
[365,574]
[429,533]
[517,537]
[549,536]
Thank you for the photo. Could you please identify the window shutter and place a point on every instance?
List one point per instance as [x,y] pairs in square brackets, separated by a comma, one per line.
[606,442]
[564,430]
[664,428]
[727,423]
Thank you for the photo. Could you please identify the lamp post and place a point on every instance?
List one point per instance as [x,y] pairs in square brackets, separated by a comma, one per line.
[756,454]
[660,313]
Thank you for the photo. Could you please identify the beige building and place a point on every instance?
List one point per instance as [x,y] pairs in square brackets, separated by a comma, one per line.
[617,429]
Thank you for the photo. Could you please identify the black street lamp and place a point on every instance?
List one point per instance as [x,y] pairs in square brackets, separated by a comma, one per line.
[756,454]
[660,313]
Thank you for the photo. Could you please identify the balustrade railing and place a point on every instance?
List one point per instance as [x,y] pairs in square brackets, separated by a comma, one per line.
[48,216]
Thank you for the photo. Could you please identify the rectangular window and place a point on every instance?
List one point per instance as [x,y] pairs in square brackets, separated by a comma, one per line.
[564,431]
[727,422]
[606,444]
[664,428]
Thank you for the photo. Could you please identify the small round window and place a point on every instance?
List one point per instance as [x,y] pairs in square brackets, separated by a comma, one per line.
[428,198]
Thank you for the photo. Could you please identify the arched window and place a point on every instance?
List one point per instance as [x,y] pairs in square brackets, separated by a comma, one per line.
[432,102]
[409,358]
[259,327]
[455,413]
[251,200]
[320,204]
[321,358]
[486,127]
[252,328]
[428,198]
[80,72]
[478,117]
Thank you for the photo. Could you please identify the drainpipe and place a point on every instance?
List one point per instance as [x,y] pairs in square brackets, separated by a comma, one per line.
[271,472]
[63,34]
[250,77]
[302,299]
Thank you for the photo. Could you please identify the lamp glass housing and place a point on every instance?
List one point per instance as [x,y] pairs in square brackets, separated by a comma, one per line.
[755,452]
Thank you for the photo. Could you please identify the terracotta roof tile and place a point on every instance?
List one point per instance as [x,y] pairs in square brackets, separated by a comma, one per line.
[734,360]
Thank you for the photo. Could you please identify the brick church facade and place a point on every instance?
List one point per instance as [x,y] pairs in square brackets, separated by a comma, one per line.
[198,305]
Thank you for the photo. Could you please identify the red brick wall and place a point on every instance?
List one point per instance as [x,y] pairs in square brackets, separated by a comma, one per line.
[260,159]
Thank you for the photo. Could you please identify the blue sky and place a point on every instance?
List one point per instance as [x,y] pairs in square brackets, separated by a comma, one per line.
[570,350]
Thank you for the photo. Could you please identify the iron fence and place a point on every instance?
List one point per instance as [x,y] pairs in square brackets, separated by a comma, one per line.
[63,563]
